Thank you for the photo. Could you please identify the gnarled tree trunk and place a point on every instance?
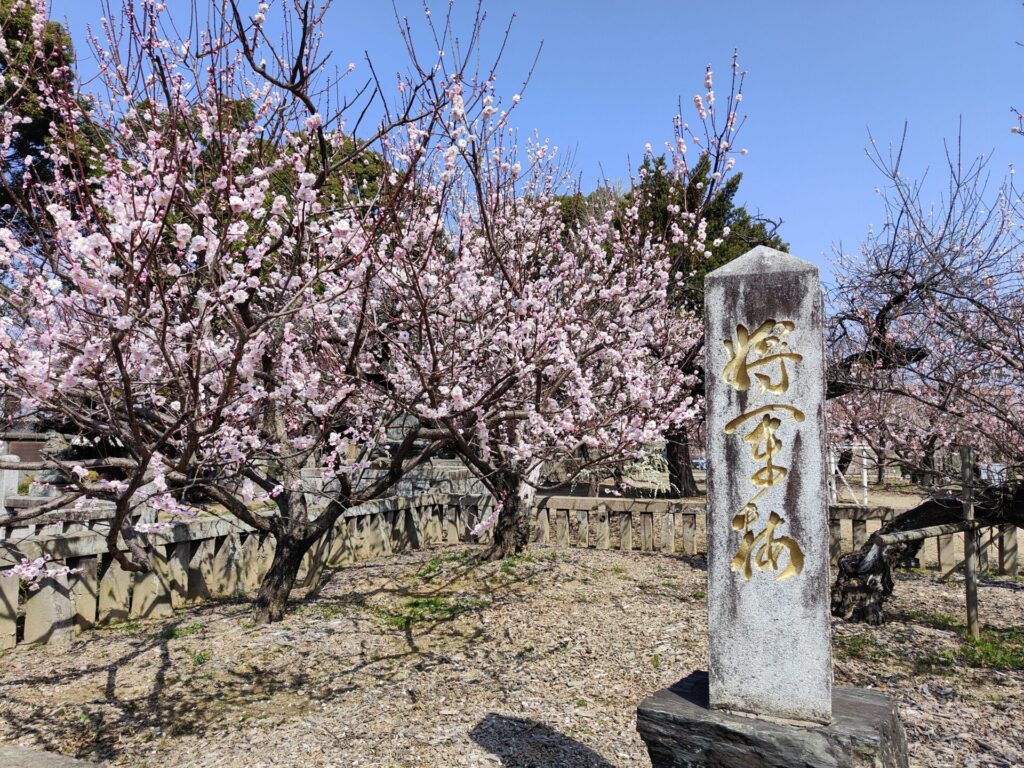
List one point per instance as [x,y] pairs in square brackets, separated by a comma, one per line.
[680,467]
[511,531]
[272,598]
[293,536]
[864,579]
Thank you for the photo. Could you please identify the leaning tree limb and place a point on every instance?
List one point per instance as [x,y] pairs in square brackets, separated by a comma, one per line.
[864,579]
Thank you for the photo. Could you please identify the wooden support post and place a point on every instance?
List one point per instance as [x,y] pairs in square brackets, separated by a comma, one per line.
[646,531]
[970,541]
[8,611]
[1008,550]
[626,531]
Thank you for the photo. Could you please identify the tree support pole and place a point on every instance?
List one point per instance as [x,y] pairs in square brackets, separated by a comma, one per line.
[970,541]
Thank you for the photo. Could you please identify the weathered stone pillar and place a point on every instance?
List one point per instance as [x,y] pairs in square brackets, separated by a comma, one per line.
[768,565]
[768,698]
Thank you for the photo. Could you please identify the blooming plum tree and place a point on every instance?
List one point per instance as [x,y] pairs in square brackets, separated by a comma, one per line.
[197,304]
[533,340]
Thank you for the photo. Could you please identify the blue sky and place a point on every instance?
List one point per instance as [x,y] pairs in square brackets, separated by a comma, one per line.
[821,75]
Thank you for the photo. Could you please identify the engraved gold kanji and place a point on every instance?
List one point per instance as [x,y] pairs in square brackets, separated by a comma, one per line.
[767,345]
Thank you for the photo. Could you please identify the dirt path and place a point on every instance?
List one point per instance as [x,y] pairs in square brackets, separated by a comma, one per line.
[429,660]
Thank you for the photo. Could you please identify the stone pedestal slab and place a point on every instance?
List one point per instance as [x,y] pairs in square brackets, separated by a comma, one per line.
[682,731]
[21,757]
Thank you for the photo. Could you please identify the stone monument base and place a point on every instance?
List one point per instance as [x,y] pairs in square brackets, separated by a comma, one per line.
[682,731]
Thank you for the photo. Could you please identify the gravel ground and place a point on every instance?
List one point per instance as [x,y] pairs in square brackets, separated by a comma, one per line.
[431,660]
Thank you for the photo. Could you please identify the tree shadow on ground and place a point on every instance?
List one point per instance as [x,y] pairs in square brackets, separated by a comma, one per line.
[522,743]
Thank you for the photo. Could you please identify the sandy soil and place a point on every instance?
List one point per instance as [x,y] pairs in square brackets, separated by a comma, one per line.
[429,659]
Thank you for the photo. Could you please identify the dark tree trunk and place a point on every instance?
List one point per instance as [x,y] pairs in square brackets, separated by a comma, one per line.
[928,467]
[680,467]
[845,460]
[272,598]
[864,579]
[511,531]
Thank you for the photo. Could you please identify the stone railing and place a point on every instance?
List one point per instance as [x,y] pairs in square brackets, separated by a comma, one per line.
[213,557]
[196,560]
[648,525]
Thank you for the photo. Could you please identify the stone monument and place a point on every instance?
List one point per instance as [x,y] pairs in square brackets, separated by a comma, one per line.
[767,699]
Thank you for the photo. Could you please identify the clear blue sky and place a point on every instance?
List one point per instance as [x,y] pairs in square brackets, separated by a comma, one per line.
[821,74]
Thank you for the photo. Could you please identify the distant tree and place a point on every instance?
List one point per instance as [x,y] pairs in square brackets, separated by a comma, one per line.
[34,65]
[207,306]
[696,217]
[728,230]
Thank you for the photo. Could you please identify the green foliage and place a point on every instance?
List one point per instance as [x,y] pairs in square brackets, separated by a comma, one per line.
[435,564]
[128,626]
[510,563]
[199,657]
[660,193]
[173,633]
[946,621]
[24,69]
[433,609]
[942,663]
[995,649]
[698,594]
[862,645]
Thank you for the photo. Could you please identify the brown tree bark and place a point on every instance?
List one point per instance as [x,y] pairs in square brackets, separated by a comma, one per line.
[511,531]
[864,579]
[680,467]
[272,599]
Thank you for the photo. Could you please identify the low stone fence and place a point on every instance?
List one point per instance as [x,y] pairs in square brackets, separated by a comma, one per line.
[647,525]
[194,561]
[213,557]
[997,547]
